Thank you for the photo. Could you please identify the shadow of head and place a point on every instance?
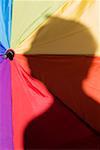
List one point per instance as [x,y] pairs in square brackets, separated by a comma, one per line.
[60,36]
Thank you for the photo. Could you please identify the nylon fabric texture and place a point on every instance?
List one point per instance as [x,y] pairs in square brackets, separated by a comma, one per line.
[5,23]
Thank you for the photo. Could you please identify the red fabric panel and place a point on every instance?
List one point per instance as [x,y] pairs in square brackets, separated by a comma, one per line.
[30,99]
[39,120]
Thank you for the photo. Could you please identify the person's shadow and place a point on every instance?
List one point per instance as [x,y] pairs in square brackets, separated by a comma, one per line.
[64,76]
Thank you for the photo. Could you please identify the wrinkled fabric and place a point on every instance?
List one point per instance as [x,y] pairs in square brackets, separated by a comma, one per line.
[30,100]
[6,133]
[5,23]
[74,79]
[39,119]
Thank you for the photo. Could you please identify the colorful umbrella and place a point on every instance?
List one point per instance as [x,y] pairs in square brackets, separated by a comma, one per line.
[41,27]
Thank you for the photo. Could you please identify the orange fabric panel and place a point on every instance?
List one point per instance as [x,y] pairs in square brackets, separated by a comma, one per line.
[74,79]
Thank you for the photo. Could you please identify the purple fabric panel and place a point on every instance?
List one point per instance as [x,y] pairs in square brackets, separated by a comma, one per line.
[1,58]
[6,134]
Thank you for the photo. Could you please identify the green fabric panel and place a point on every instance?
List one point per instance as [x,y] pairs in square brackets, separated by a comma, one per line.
[28,15]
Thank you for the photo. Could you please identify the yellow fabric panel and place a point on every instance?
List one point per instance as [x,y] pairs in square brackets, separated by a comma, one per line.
[67,32]
[28,15]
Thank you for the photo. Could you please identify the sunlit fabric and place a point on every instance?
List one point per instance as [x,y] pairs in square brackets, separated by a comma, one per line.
[5,23]
[78,11]
[37,13]
[49,74]
[32,100]
[6,131]
[6,136]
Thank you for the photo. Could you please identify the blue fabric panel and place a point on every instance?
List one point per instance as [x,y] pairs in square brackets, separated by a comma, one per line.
[5,24]
[2,48]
